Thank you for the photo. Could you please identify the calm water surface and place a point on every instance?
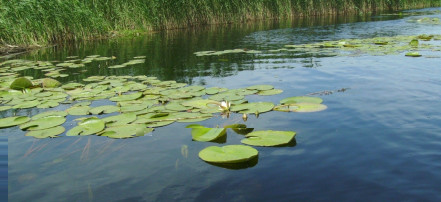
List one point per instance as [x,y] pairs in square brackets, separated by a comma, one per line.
[378,140]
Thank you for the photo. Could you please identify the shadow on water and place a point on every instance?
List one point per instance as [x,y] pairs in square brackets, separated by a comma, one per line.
[237,166]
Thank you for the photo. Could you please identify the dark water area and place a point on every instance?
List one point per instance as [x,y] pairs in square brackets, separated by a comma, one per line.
[379,140]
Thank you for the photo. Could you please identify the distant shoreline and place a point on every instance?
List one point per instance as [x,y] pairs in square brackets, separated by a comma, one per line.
[40,23]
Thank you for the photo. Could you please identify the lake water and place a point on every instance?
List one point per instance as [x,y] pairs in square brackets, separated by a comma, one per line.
[379,140]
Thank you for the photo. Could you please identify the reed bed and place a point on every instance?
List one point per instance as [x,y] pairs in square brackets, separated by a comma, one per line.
[30,22]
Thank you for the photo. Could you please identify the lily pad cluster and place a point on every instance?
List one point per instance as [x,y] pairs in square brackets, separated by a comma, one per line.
[137,105]
[207,53]
[370,46]
[56,69]
[354,47]
[230,154]
[237,154]
[426,20]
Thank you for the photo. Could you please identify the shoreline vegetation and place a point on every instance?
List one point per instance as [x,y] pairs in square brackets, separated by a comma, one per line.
[29,24]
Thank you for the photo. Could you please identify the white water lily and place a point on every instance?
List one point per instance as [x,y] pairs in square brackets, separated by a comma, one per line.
[224,106]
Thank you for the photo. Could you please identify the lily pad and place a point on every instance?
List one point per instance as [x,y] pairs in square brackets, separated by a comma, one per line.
[82,104]
[105,109]
[88,126]
[414,42]
[192,120]
[226,96]
[4,108]
[126,131]
[13,121]
[214,90]
[228,154]
[49,113]
[121,119]
[43,123]
[200,103]
[252,107]
[127,97]
[301,107]
[43,94]
[50,132]
[71,86]
[269,138]
[260,87]
[47,104]
[50,83]
[176,107]
[270,92]
[78,111]
[240,129]
[133,107]
[413,54]
[27,104]
[207,134]
[300,99]
[21,83]
[159,124]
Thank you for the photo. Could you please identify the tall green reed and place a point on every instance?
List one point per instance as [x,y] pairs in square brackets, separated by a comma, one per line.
[51,21]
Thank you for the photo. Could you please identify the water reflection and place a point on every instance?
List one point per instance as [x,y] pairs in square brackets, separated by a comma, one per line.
[378,141]
[170,54]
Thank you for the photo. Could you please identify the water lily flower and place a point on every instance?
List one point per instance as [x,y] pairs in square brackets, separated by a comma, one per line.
[224,106]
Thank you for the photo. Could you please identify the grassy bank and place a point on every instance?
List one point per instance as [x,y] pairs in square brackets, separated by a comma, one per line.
[30,22]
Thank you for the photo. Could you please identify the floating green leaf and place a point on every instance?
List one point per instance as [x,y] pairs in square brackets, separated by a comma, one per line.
[192,120]
[13,121]
[176,107]
[88,126]
[27,104]
[413,54]
[159,124]
[43,94]
[244,91]
[133,108]
[195,126]
[127,97]
[49,113]
[50,83]
[269,138]
[47,104]
[126,131]
[228,154]
[253,107]
[82,104]
[301,107]
[260,87]
[214,90]
[270,92]
[121,119]
[71,86]
[105,109]
[200,103]
[414,42]
[21,83]
[78,111]
[43,123]
[207,134]
[240,129]
[45,133]
[300,99]
[4,108]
